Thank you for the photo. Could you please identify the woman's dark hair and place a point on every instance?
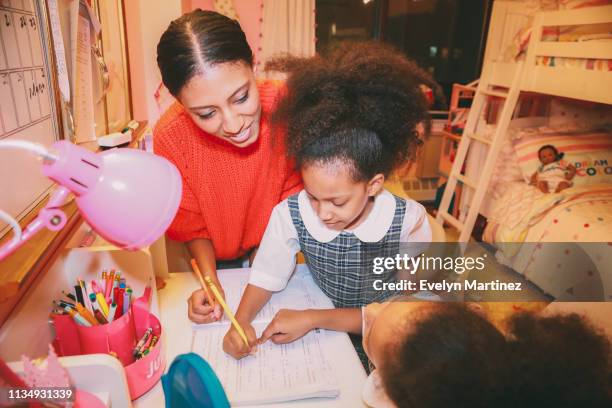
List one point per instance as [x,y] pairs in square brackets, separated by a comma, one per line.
[195,39]
[455,357]
[558,155]
[360,103]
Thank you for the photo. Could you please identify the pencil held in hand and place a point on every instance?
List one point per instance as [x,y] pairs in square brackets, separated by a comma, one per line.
[196,269]
[227,310]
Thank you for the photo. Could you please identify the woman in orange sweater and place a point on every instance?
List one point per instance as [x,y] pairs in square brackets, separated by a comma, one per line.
[218,135]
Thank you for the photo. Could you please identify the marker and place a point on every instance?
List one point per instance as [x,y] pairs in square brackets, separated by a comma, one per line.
[126,301]
[95,287]
[111,312]
[119,301]
[97,309]
[100,317]
[79,294]
[87,301]
[227,310]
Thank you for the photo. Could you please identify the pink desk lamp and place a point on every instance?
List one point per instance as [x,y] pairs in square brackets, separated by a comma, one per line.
[128,196]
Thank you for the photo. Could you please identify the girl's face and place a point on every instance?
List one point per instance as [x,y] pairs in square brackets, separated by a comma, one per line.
[548,156]
[339,201]
[382,321]
[224,102]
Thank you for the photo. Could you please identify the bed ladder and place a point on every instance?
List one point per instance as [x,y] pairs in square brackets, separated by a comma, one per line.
[480,185]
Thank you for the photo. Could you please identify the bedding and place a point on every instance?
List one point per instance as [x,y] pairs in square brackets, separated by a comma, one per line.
[546,229]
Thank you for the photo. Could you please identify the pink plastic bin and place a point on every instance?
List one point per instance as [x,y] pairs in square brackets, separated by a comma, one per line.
[121,337]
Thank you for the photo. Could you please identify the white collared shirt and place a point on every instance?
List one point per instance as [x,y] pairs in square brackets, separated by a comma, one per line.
[275,260]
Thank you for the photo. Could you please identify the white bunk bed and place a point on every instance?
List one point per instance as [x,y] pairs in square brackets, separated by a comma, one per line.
[581,70]
[577,83]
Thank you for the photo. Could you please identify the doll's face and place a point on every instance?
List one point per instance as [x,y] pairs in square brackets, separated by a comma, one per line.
[548,156]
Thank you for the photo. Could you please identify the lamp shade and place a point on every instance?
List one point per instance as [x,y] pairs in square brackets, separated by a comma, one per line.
[128,196]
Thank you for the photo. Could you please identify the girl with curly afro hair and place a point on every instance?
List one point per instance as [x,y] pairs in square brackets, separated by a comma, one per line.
[351,118]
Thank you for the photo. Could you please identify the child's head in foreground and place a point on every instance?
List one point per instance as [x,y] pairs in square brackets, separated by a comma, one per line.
[549,154]
[351,119]
[448,355]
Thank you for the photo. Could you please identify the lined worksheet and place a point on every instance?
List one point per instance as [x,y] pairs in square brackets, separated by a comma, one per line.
[275,373]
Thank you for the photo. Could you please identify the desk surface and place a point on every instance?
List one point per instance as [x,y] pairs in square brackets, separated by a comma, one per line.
[177,340]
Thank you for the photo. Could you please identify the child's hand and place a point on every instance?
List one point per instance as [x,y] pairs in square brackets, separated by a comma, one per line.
[534,178]
[288,326]
[233,343]
[200,311]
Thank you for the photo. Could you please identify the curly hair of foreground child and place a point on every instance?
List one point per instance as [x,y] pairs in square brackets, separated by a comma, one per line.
[456,357]
[361,103]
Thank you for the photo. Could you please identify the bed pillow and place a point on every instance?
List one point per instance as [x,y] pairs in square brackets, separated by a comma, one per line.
[570,116]
[590,153]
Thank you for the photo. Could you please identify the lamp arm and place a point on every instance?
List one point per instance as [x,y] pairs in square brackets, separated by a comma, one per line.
[35,148]
[51,217]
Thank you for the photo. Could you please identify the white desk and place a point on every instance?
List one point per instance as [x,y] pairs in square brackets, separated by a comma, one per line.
[177,335]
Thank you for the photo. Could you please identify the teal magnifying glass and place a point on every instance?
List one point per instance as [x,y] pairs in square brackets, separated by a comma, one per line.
[191,382]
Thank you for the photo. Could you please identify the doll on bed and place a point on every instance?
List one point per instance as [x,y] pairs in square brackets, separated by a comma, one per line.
[552,175]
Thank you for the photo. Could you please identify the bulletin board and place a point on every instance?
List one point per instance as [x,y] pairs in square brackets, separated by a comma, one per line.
[28,103]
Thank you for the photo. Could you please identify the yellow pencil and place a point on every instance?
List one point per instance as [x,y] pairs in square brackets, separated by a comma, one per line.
[197,271]
[227,310]
[102,303]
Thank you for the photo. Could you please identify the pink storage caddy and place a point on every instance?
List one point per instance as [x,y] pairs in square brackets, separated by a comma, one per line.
[120,337]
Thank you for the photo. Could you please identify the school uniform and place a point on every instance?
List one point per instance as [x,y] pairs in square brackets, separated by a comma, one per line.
[341,262]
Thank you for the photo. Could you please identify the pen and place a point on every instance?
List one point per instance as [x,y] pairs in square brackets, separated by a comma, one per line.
[198,273]
[227,310]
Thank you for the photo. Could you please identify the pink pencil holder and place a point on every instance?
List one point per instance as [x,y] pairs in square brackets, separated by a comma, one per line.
[119,337]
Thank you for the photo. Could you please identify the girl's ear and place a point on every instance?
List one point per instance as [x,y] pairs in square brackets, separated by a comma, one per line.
[375,185]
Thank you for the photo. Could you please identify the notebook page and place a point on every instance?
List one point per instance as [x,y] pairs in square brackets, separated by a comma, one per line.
[275,373]
[301,293]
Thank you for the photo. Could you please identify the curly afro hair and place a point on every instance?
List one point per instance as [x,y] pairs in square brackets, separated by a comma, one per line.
[456,357]
[360,103]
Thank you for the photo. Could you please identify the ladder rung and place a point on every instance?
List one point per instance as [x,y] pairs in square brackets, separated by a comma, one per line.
[496,93]
[452,220]
[466,180]
[480,139]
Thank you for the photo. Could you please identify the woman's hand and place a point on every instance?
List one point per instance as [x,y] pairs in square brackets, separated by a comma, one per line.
[200,311]
[233,343]
[288,326]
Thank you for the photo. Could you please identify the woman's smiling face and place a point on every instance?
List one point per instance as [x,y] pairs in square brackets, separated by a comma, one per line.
[223,101]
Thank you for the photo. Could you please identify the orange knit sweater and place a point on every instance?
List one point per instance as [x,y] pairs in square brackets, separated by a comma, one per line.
[228,192]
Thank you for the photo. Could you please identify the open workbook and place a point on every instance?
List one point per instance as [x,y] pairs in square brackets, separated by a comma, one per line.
[275,373]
